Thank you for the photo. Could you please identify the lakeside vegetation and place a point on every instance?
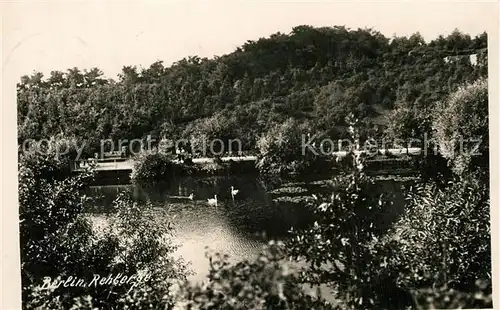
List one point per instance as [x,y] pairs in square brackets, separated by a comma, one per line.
[436,254]
[315,74]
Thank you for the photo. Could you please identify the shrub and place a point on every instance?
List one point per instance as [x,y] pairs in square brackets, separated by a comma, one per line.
[55,239]
[51,159]
[443,241]
[263,283]
[144,247]
[462,121]
[58,241]
[153,166]
[434,255]
[448,298]
[204,133]
[433,169]
[340,247]
[281,151]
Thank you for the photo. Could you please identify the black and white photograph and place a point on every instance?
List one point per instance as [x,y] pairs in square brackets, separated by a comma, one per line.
[251,155]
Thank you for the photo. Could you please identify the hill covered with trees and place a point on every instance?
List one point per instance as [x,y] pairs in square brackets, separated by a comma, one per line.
[436,254]
[313,74]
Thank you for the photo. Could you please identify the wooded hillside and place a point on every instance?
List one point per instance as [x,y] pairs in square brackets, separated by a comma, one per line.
[318,74]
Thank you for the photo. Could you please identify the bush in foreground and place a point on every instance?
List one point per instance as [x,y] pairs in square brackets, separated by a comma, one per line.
[437,254]
[59,241]
[441,246]
[263,283]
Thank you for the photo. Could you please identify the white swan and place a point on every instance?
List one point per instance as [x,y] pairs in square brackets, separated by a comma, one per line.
[213,201]
[191,196]
[234,192]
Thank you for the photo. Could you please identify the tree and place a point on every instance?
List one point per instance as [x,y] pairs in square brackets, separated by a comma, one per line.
[154,73]
[57,79]
[282,150]
[213,135]
[407,123]
[75,78]
[58,240]
[340,248]
[314,74]
[93,77]
[437,254]
[461,128]
[129,75]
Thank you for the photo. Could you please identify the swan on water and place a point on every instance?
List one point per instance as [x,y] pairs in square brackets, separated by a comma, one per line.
[213,201]
[234,192]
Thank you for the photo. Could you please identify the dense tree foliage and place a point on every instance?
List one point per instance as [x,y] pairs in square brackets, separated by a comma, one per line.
[59,241]
[282,150]
[263,283]
[461,124]
[152,166]
[318,74]
[340,248]
[267,93]
[437,254]
[442,243]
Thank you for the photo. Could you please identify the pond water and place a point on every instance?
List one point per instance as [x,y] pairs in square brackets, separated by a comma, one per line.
[238,227]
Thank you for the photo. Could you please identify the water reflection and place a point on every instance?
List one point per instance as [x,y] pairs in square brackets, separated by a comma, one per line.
[238,227]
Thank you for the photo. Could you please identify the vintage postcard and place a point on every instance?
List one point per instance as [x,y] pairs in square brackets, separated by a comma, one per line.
[249,155]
